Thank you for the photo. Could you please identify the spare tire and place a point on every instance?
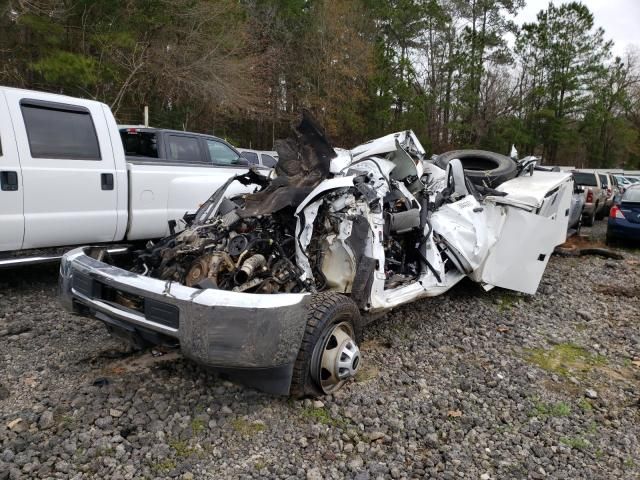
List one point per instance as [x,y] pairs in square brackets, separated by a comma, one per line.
[483,168]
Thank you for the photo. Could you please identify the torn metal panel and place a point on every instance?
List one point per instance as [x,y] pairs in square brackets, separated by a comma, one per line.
[532,189]
[520,255]
[469,228]
[387,144]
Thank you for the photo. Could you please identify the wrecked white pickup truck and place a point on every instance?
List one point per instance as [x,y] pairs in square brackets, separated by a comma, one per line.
[274,287]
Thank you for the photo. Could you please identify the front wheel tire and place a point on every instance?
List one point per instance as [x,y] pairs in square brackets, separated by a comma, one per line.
[329,354]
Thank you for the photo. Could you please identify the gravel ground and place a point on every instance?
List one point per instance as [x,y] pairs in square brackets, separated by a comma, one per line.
[466,385]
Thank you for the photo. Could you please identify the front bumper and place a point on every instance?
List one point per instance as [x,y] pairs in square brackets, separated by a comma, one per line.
[234,332]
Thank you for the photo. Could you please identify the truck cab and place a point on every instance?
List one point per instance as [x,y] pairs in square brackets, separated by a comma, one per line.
[63,174]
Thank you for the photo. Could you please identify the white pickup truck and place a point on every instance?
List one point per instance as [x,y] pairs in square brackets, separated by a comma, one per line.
[65,179]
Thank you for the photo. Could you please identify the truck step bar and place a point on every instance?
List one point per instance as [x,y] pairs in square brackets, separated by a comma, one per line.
[46,256]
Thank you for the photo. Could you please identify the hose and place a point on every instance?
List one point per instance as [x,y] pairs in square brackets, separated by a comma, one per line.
[424,221]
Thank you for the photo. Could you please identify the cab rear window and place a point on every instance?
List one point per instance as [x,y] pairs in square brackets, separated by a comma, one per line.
[268,160]
[139,144]
[251,157]
[584,178]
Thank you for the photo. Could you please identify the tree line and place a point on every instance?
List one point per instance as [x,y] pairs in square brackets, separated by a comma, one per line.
[460,73]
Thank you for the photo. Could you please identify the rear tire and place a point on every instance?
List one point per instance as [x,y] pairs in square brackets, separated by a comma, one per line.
[329,313]
[590,219]
[599,215]
[481,167]
[579,224]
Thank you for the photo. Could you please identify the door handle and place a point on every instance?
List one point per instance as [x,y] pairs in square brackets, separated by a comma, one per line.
[106,179]
[9,181]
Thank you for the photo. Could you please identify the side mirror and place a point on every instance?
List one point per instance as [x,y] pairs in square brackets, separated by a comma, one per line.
[242,161]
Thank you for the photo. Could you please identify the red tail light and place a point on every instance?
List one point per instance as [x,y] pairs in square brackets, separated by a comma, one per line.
[589,196]
[615,212]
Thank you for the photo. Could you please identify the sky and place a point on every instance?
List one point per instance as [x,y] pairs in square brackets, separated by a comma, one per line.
[619,18]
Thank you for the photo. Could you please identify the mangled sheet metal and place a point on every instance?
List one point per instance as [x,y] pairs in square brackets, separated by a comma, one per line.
[303,162]
[378,222]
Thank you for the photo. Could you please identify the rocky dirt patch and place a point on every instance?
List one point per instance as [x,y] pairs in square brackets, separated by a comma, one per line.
[467,385]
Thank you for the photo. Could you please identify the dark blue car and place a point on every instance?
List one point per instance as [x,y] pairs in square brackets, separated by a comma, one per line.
[624,218]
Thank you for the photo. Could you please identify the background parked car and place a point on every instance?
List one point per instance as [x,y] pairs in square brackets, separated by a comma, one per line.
[624,218]
[610,188]
[622,183]
[595,198]
[576,210]
[178,146]
[264,158]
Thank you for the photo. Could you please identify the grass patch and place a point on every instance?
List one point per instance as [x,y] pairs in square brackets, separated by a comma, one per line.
[244,427]
[564,358]
[182,448]
[66,421]
[507,301]
[593,428]
[585,405]
[577,443]
[164,466]
[197,426]
[559,409]
[517,470]
[321,415]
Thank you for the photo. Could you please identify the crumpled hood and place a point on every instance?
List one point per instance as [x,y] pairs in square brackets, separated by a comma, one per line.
[304,162]
[387,144]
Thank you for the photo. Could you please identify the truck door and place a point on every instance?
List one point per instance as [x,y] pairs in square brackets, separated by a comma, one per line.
[11,214]
[68,170]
